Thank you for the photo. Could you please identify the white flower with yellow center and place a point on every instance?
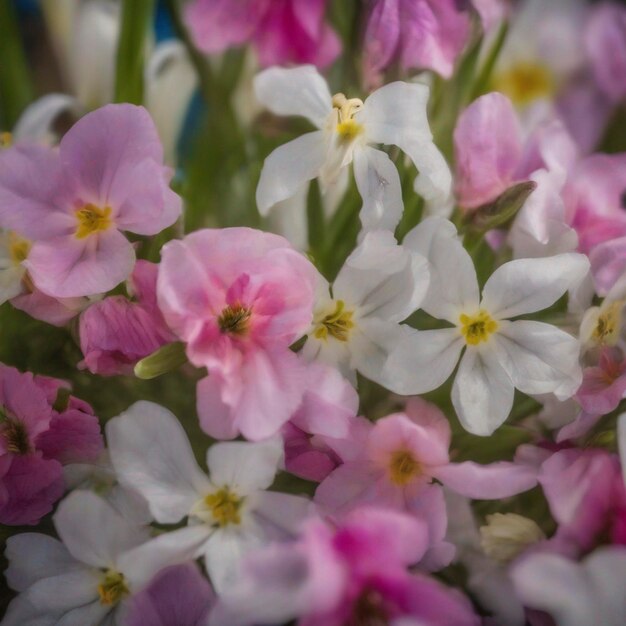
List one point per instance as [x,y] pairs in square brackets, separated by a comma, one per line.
[356,325]
[347,127]
[228,512]
[501,354]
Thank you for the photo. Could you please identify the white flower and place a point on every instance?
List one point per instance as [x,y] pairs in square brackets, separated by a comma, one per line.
[84,580]
[228,512]
[500,354]
[394,114]
[575,594]
[13,253]
[357,327]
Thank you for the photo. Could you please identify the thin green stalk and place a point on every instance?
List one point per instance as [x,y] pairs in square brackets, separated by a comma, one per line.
[481,85]
[129,76]
[16,88]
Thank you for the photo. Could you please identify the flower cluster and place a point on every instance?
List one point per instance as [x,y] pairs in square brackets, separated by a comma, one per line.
[362,368]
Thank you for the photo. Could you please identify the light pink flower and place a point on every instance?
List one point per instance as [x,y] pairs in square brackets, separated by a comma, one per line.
[107,176]
[604,385]
[116,332]
[35,441]
[239,298]
[420,34]
[281,31]
[55,311]
[353,573]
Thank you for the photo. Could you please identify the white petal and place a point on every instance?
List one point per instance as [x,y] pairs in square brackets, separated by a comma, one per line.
[140,564]
[280,515]
[151,454]
[424,360]
[33,556]
[607,569]
[92,531]
[288,168]
[290,219]
[295,91]
[621,442]
[244,466]
[11,282]
[36,122]
[396,113]
[453,284]
[529,285]
[434,179]
[482,393]
[391,290]
[378,182]
[539,358]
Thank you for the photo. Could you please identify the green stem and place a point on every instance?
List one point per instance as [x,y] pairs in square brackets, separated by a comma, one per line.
[16,89]
[481,84]
[129,76]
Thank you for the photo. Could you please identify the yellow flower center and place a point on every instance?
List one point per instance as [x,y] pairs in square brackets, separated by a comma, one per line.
[403,467]
[347,127]
[525,82]
[18,249]
[477,328]
[92,219]
[609,324]
[337,324]
[6,139]
[225,506]
[112,588]
[235,320]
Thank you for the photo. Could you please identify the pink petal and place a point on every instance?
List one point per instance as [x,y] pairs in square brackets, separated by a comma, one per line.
[381,37]
[55,311]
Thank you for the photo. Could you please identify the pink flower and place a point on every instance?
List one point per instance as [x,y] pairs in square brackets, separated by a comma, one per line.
[354,573]
[420,34]
[116,332]
[604,385]
[239,298]
[35,441]
[605,41]
[179,595]
[106,176]
[281,31]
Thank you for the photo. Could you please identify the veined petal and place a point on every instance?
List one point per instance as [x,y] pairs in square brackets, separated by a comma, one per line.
[423,360]
[245,466]
[528,285]
[288,168]
[151,454]
[539,358]
[295,91]
[378,183]
[93,531]
[482,393]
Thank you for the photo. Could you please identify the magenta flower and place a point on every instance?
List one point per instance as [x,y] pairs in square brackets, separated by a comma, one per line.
[179,595]
[116,332]
[239,298]
[355,573]
[36,441]
[281,31]
[420,34]
[107,176]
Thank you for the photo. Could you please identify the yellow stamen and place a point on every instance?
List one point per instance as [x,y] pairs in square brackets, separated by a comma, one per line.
[609,324]
[477,328]
[92,219]
[347,127]
[524,83]
[18,249]
[112,588]
[225,506]
[6,139]
[234,320]
[337,324]
[403,467]
[15,436]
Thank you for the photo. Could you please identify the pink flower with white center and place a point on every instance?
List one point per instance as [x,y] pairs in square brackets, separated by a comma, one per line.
[420,34]
[107,176]
[117,332]
[239,298]
[281,31]
[354,573]
[36,441]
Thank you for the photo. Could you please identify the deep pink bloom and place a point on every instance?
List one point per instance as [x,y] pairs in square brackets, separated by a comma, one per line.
[239,298]
[281,31]
[107,176]
[178,595]
[117,332]
[35,441]
[353,573]
[605,41]
[420,34]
